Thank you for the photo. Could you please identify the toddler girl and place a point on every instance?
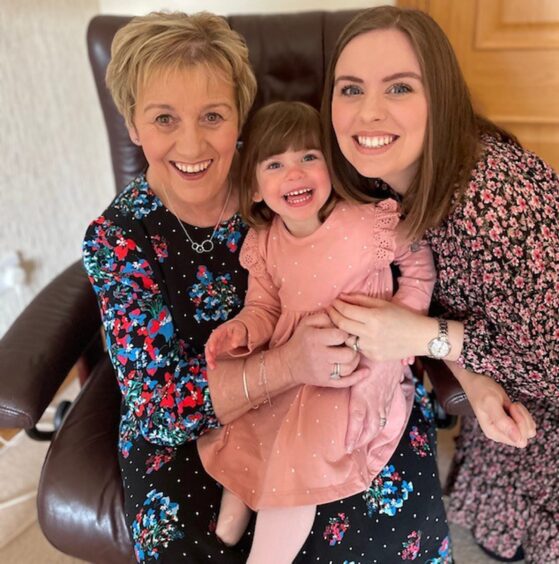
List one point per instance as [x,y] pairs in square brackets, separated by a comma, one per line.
[306,247]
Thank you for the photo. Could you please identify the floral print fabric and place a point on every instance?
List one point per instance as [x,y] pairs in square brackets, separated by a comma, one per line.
[497,256]
[159,302]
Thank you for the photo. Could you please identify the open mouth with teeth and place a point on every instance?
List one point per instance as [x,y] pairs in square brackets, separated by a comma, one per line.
[376,142]
[299,197]
[192,170]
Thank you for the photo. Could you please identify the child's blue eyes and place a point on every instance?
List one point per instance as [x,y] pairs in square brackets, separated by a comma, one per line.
[274,165]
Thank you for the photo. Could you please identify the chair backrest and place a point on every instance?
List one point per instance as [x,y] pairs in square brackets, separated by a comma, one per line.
[289,54]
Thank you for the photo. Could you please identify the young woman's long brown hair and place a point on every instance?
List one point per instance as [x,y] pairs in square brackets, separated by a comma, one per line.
[451,144]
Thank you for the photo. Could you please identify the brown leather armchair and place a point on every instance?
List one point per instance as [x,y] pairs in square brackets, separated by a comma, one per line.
[80,497]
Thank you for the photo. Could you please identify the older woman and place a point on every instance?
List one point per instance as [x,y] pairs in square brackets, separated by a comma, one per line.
[397,109]
[163,260]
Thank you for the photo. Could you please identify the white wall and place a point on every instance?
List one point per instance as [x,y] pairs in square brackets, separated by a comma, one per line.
[55,171]
[226,7]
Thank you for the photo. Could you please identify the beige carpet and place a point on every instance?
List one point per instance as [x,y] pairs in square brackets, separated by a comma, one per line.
[21,541]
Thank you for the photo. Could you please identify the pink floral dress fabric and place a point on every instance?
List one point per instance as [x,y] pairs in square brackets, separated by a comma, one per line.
[497,257]
[293,451]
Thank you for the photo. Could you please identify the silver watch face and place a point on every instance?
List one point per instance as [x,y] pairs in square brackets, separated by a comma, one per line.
[439,348]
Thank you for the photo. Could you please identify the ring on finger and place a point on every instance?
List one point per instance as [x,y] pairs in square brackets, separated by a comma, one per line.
[382,422]
[336,373]
[355,345]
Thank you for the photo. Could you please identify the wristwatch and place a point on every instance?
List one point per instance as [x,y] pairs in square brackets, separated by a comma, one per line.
[439,347]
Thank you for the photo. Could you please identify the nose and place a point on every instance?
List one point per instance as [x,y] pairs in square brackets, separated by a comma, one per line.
[189,140]
[294,172]
[373,108]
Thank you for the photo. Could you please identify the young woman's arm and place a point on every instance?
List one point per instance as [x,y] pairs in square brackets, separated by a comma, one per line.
[389,331]
[500,419]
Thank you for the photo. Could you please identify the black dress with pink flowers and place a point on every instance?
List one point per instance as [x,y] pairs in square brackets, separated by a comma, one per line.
[497,257]
[159,302]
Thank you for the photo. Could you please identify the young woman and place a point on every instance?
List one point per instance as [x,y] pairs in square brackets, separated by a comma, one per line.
[398,117]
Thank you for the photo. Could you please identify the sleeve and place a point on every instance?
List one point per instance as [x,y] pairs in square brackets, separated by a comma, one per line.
[262,304]
[417,279]
[513,241]
[415,259]
[164,387]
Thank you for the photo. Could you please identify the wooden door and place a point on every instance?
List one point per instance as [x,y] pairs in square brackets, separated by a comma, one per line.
[509,53]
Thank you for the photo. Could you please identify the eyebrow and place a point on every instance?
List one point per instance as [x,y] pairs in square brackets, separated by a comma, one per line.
[396,76]
[390,78]
[156,105]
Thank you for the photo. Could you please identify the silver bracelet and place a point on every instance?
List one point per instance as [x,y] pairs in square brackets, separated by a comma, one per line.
[245,387]
[263,379]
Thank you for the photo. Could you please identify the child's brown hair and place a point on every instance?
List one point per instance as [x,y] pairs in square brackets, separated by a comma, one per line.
[272,130]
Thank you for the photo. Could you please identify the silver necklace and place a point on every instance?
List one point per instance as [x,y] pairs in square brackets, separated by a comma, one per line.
[207,245]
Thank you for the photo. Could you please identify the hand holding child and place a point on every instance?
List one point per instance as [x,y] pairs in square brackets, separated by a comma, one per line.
[225,338]
[369,404]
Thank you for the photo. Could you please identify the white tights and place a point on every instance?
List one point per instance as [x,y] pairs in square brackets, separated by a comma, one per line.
[279,534]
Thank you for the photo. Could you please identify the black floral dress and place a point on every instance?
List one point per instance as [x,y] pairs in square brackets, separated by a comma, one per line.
[159,302]
[497,257]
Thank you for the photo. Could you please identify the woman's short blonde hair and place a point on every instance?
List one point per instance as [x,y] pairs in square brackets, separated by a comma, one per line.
[177,41]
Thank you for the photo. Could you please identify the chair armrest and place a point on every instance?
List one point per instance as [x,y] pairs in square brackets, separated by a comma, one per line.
[449,393]
[80,500]
[43,344]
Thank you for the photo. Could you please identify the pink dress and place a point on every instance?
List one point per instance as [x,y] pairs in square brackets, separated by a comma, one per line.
[292,452]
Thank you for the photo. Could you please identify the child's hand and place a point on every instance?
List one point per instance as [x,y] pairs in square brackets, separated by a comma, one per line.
[225,338]
[500,419]
[408,361]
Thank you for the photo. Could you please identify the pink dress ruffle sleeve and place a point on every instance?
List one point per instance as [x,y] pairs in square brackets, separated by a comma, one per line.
[292,451]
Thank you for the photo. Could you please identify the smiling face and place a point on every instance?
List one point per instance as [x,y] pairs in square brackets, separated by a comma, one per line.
[187,124]
[379,107]
[295,185]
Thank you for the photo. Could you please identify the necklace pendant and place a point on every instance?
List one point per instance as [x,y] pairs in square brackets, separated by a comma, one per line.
[207,246]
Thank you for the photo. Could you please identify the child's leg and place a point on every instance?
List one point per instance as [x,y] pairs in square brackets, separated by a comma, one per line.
[233,518]
[280,533]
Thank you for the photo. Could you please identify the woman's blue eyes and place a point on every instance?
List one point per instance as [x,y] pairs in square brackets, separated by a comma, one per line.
[399,88]
[164,119]
[211,118]
[350,90]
